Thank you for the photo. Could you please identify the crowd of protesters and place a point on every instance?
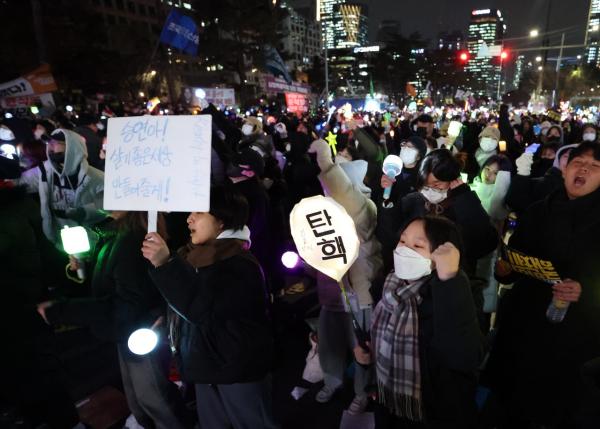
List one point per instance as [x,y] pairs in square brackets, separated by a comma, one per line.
[457,338]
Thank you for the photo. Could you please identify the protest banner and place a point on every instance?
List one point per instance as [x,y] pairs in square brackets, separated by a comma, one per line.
[324,235]
[531,266]
[296,103]
[158,163]
[39,81]
[180,31]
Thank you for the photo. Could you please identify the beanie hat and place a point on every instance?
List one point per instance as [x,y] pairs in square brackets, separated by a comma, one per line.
[255,122]
[545,126]
[492,132]
[250,158]
[419,144]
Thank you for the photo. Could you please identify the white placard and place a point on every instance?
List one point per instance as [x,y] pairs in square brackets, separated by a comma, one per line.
[158,163]
[325,235]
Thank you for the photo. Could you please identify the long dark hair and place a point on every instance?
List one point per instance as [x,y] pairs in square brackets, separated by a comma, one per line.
[138,222]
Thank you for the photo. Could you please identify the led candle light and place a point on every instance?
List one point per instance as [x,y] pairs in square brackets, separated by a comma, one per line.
[75,241]
[142,341]
[502,145]
[392,166]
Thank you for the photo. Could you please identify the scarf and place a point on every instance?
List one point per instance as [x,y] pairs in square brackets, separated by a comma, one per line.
[228,244]
[395,332]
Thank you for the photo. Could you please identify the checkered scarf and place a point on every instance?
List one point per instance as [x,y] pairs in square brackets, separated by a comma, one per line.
[395,333]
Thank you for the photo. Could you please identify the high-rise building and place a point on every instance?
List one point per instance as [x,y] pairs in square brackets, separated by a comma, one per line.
[592,34]
[301,38]
[453,41]
[486,32]
[343,24]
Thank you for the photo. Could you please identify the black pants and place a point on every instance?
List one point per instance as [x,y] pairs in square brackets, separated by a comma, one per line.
[154,401]
[239,405]
[384,419]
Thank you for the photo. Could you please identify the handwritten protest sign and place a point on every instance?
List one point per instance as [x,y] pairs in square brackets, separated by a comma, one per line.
[158,163]
[531,266]
[324,235]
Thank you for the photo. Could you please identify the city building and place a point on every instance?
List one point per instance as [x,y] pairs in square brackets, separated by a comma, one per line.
[300,38]
[592,34]
[343,24]
[453,41]
[518,71]
[350,70]
[484,42]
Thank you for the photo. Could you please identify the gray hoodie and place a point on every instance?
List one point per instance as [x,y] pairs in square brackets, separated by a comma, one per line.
[81,201]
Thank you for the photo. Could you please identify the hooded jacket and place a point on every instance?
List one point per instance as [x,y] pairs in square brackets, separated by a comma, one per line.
[348,190]
[75,186]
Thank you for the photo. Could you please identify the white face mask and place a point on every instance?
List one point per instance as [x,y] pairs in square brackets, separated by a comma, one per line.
[288,147]
[409,155]
[488,144]
[6,134]
[589,137]
[247,129]
[410,265]
[434,196]
[100,126]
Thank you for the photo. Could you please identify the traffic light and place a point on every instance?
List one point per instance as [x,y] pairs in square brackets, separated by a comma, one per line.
[463,56]
[504,55]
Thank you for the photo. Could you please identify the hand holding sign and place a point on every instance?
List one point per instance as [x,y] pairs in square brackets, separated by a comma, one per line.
[324,235]
[155,249]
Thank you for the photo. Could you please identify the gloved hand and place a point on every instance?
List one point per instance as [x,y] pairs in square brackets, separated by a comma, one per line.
[323,151]
[524,163]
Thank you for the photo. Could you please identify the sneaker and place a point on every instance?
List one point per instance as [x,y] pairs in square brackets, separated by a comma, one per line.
[325,394]
[358,405]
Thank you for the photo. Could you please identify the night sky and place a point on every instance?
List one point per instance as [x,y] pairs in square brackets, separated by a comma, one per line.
[431,16]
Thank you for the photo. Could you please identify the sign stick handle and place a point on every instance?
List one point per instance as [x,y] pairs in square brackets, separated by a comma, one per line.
[152,219]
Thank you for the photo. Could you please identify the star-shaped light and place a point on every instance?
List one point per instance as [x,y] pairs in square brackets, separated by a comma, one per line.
[332,141]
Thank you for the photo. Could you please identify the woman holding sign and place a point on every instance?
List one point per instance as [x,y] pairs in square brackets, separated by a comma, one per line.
[220,330]
[426,344]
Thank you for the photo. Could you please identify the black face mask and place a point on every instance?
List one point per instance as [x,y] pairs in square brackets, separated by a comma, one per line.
[57,157]
[422,132]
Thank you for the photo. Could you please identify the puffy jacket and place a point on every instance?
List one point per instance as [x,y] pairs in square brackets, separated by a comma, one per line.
[225,333]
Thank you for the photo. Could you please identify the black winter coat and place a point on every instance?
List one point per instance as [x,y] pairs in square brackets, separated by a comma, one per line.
[123,296]
[453,350]
[462,207]
[225,333]
[536,364]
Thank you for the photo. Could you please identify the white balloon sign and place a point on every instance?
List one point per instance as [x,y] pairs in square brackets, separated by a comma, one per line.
[324,235]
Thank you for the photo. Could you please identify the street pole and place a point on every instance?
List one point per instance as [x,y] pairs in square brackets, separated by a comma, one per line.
[326,72]
[558,61]
[500,73]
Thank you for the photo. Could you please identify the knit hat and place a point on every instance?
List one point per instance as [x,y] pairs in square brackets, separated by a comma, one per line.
[250,158]
[492,132]
[545,126]
[419,144]
[255,122]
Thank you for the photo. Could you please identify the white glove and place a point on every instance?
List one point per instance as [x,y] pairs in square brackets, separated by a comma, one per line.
[323,151]
[524,163]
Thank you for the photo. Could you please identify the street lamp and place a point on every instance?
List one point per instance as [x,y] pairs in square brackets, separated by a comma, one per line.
[540,68]
[534,33]
[538,59]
